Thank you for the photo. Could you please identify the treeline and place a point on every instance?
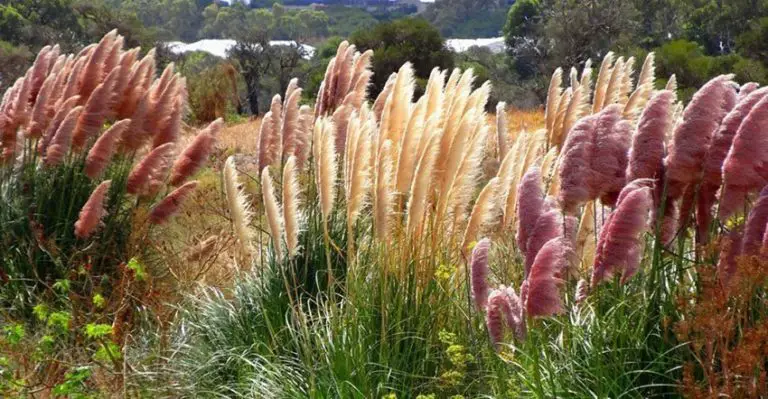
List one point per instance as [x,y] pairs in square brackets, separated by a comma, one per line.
[693,39]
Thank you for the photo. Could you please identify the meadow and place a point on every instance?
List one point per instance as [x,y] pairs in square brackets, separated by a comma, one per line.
[612,245]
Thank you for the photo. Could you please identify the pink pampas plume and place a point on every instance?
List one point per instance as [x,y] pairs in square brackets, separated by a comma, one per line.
[95,112]
[195,155]
[582,291]
[171,203]
[92,212]
[575,166]
[102,151]
[619,247]
[594,159]
[730,250]
[144,171]
[61,114]
[646,155]
[93,71]
[40,68]
[754,230]
[692,137]
[548,226]
[747,89]
[162,108]
[744,167]
[504,310]
[63,138]
[40,111]
[479,275]
[169,132]
[540,292]
[610,159]
[530,201]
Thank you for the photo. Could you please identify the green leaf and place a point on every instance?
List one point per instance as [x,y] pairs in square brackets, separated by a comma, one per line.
[40,311]
[98,301]
[138,269]
[62,286]
[94,331]
[14,333]
[59,320]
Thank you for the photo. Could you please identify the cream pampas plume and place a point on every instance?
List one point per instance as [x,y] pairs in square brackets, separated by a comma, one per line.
[171,203]
[644,89]
[557,135]
[397,108]
[409,147]
[195,155]
[239,206]
[92,212]
[102,151]
[463,186]
[671,84]
[479,273]
[62,140]
[378,105]
[384,191]
[619,248]
[267,140]
[577,108]
[540,291]
[613,90]
[501,129]
[420,187]
[553,99]
[304,136]
[693,135]
[603,79]
[291,123]
[325,164]
[586,241]
[358,170]
[274,219]
[743,170]
[483,212]
[530,201]
[291,206]
[144,171]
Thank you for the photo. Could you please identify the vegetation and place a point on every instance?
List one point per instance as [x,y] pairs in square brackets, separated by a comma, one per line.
[384,229]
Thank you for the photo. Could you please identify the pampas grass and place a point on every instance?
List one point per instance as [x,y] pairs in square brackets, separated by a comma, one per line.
[291,206]
[239,206]
[272,209]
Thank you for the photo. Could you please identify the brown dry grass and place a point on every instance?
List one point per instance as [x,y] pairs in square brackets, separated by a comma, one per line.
[240,138]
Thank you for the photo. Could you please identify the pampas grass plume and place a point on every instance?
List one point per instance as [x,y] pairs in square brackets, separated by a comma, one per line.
[239,206]
[479,273]
[102,151]
[92,212]
[146,169]
[291,206]
[195,155]
[166,208]
[274,219]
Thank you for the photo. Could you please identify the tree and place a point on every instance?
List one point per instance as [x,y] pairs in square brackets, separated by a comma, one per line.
[406,40]
[522,35]
[467,18]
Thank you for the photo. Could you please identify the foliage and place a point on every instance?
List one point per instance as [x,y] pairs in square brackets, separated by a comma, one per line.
[467,18]
[411,40]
